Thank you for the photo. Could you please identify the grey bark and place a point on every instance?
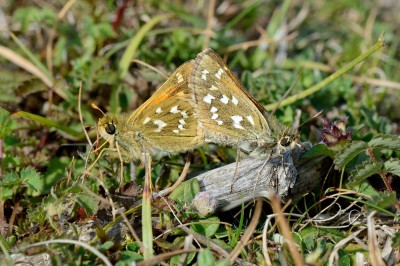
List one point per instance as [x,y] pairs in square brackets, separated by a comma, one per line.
[287,176]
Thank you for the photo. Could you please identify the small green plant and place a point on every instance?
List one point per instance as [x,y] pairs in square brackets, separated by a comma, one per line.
[362,159]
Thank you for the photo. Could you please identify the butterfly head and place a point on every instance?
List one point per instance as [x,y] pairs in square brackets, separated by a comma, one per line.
[109,127]
[288,139]
[113,130]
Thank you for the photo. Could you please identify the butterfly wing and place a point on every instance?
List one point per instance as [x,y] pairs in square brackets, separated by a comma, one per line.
[166,121]
[164,124]
[227,112]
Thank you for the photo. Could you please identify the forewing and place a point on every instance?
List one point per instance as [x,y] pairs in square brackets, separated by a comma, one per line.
[227,112]
[166,121]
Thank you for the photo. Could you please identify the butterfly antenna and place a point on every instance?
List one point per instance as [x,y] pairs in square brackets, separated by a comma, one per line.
[312,118]
[94,106]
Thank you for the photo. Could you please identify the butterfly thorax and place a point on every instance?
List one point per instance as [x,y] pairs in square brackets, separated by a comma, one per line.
[278,139]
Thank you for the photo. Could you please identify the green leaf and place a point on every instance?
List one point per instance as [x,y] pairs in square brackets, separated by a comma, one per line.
[6,193]
[316,151]
[223,262]
[185,192]
[344,258]
[334,234]
[33,179]
[133,246]
[130,256]
[365,170]
[391,142]
[13,181]
[392,166]
[383,200]
[10,179]
[87,202]
[396,240]
[189,258]
[309,243]
[39,15]
[205,257]
[209,228]
[10,81]
[351,150]
[106,246]
[5,122]
[365,188]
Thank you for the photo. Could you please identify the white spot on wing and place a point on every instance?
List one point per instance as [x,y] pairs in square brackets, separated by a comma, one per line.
[182,121]
[146,120]
[213,109]
[181,127]
[160,124]
[184,114]
[236,121]
[175,110]
[219,122]
[175,131]
[204,73]
[208,98]
[224,99]
[214,116]
[213,88]
[219,73]
[250,118]
[159,110]
[234,100]
[180,77]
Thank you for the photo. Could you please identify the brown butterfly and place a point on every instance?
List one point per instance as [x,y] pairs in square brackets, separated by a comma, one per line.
[165,124]
[228,113]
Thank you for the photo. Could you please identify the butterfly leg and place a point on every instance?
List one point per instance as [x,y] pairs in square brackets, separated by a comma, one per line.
[121,175]
[259,173]
[236,169]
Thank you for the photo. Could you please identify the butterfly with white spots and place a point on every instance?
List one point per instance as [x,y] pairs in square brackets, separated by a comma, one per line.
[201,102]
[228,113]
[165,124]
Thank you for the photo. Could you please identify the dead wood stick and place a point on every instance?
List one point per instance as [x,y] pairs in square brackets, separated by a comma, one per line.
[287,176]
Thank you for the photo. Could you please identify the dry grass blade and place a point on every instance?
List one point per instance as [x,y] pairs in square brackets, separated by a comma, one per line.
[340,245]
[374,251]
[31,68]
[286,232]
[25,64]
[74,242]
[162,257]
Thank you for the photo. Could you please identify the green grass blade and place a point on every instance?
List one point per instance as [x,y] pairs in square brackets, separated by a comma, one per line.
[278,18]
[147,225]
[329,79]
[49,123]
[242,14]
[134,43]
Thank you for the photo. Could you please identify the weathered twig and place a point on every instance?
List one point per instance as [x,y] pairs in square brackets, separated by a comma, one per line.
[287,176]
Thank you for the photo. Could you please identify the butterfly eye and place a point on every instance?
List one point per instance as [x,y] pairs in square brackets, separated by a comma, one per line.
[110,128]
[285,141]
